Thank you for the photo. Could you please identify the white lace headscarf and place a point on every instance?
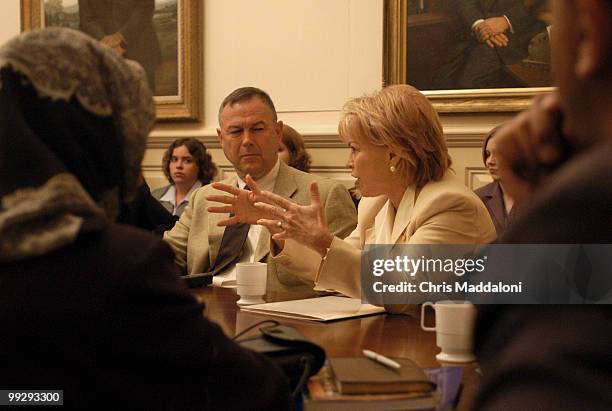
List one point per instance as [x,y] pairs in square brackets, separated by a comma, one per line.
[62,65]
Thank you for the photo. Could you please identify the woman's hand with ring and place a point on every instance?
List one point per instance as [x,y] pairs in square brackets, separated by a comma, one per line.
[304,224]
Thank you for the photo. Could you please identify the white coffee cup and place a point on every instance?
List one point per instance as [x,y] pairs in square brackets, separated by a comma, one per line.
[454,327]
[251,281]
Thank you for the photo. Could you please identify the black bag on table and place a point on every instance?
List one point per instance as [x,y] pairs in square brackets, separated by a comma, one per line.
[290,350]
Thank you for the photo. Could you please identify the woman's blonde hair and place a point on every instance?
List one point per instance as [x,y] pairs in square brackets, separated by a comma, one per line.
[402,119]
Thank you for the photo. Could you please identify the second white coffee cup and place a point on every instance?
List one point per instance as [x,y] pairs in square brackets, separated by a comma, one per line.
[454,327]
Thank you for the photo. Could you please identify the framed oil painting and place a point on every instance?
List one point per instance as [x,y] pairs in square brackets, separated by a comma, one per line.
[164,36]
[469,55]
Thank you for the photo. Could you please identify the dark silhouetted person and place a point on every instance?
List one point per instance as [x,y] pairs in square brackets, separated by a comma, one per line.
[555,160]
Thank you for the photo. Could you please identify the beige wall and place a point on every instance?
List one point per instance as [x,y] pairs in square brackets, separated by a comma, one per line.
[310,55]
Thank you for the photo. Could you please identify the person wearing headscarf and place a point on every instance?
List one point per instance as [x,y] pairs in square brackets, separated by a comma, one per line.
[87,305]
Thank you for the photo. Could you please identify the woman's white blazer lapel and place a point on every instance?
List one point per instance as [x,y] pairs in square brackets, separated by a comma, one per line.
[391,224]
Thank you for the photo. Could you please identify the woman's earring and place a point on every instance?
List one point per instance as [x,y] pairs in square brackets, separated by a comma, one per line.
[392,169]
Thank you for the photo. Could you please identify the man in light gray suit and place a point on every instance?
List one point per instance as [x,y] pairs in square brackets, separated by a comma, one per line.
[250,135]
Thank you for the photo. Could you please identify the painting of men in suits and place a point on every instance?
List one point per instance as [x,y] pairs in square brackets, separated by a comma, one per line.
[493,37]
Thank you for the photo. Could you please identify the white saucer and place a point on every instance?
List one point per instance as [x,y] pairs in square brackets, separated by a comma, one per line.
[250,301]
[444,357]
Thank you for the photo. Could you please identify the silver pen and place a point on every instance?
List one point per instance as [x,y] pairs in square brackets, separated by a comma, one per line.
[381,359]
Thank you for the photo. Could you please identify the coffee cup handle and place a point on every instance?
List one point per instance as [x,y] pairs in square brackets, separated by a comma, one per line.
[423,316]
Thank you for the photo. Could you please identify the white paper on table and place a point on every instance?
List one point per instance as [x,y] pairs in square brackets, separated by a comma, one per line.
[327,308]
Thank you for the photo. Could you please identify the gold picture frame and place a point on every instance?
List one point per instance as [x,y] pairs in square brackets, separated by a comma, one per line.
[445,101]
[186,103]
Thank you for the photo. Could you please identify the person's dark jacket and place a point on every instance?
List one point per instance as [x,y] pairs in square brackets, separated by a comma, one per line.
[106,320]
[493,198]
[145,212]
[554,357]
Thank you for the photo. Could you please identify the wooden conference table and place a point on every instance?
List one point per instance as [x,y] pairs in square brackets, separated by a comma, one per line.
[390,335]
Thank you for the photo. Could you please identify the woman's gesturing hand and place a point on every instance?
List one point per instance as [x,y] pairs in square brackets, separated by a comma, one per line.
[304,224]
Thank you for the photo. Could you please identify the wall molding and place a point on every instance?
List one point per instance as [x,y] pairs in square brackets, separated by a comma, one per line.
[340,174]
[476,177]
[460,139]
[464,140]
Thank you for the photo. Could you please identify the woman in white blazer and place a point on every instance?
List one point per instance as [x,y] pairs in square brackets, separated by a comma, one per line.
[399,158]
